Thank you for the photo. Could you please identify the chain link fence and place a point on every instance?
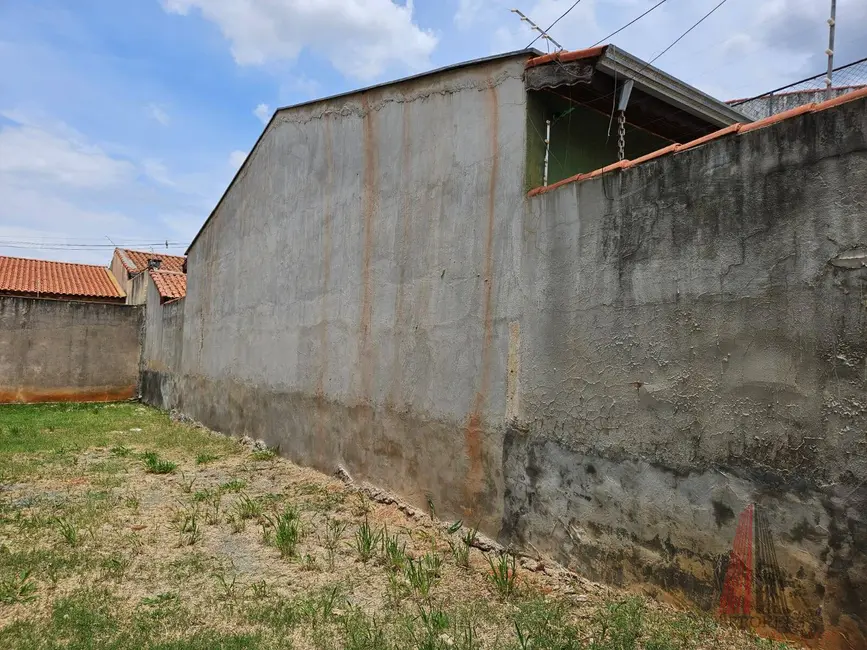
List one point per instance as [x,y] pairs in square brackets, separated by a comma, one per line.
[813,89]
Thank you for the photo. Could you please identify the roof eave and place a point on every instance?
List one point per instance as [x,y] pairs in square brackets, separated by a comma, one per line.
[653,81]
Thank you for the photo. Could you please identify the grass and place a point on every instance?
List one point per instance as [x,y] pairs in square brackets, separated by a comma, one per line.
[100,549]
[68,531]
[286,531]
[17,589]
[366,540]
[156,465]
[503,575]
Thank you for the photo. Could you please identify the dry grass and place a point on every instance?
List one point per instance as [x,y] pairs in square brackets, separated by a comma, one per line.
[122,529]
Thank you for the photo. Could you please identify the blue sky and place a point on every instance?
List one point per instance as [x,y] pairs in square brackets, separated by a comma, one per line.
[125,121]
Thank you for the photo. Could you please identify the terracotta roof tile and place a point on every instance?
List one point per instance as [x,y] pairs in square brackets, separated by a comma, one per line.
[137,261]
[20,275]
[170,284]
[777,117]
[563,57]
[734,129]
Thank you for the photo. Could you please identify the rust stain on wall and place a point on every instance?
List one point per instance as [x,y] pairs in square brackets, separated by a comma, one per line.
[30,395]
[403,256]
[318,443]
[475,422]
[325,270]
[370,204]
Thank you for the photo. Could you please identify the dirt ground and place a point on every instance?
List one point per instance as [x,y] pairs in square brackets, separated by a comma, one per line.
[120,528]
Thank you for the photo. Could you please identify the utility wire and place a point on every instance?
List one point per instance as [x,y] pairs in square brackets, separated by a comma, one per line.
[675,42]
[562,16]
[631,22]
[699,22]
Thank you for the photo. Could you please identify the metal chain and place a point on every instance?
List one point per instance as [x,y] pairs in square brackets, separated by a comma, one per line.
[621,136]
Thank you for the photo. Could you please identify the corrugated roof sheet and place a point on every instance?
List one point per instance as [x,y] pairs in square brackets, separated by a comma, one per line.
[734,129]
[21,275]
[170,284]
[137,261]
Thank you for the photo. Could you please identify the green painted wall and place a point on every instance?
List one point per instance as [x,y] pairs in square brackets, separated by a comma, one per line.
[579,139]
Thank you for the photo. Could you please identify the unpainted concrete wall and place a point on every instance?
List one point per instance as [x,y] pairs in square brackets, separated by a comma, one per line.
[137,291]
[351,296]
[693,346]
[162,349]
[59,350]
[611,372]
[121,275]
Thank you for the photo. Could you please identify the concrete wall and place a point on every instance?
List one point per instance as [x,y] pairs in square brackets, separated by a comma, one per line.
[345,302]
[162,349]
[67,351]
[137,293]
[121,275]
[611,372]
[693,346]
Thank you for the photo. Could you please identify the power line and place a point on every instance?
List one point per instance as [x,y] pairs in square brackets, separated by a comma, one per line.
[675,42]
[679,38]
[562,16]
[631,22]
[62,239]
[87,247]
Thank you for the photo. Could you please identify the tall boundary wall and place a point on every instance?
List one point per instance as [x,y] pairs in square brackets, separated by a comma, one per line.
[642,374]
[59,350]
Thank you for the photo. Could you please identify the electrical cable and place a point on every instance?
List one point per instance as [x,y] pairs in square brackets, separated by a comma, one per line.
[562,16]
[678,39]
[675,42]
[630,23]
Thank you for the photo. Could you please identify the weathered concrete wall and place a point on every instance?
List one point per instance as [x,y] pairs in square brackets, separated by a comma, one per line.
[137,291]
[121,275]
[162,349]
[351,296]
[58,350]
[611,372]
[691,348]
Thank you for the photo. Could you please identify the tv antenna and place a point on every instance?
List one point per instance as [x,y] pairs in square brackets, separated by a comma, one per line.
[534,26]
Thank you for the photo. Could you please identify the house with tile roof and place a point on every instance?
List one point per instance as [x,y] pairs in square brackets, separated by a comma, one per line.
[34,278]
[127,265]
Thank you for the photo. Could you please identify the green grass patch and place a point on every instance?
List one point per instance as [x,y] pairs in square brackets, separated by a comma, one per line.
[62,428]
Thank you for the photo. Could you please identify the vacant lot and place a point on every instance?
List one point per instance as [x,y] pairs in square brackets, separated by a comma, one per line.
[122,529]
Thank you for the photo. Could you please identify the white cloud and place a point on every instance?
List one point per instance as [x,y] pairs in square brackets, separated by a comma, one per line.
[57,154]
[159,114]
[361,38]
[59,187]
[263,112]
[237,158]
[157,171]
[740,50]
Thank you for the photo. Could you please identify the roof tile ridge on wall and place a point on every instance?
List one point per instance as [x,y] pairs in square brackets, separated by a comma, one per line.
[120,292]
[563,56]
[734,129]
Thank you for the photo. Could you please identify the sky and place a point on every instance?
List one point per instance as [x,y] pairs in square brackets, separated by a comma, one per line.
[122,122]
